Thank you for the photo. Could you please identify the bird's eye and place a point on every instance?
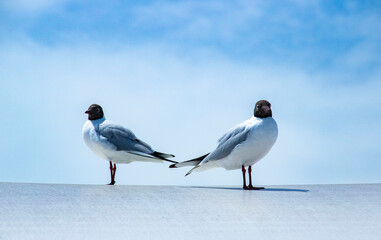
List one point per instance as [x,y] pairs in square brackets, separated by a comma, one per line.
[97,110]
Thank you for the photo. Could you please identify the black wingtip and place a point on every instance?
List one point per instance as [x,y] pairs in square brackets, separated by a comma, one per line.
[170,161]
[172,166]
[162,155]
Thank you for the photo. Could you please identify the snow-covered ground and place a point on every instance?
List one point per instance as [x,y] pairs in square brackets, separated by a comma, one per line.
[49,211]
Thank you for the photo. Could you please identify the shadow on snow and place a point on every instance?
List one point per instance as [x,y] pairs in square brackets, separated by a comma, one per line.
[262,190]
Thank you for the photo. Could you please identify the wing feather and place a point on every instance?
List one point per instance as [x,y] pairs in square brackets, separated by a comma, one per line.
[228,142]
[124,139]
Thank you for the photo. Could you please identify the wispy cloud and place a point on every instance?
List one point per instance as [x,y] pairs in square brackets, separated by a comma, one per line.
[312,34]
[35,7]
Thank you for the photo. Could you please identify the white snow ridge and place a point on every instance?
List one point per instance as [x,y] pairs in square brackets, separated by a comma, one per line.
[49,211]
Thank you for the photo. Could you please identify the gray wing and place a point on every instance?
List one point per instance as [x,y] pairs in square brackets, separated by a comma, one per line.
[124,139]
[228,142]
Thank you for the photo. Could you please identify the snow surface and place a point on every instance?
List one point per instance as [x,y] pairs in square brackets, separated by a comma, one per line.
[49,211]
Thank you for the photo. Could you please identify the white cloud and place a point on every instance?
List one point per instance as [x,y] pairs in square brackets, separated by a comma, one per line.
[198,18]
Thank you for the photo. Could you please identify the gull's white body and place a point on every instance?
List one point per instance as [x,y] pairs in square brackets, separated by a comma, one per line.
[106,150]
[261,133]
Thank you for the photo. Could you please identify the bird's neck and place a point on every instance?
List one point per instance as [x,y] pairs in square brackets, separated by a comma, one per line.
[262,118]
[98,121]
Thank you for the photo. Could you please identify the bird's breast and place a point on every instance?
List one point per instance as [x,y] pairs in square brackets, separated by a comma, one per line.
[264,135]
[98,144]
[259,141]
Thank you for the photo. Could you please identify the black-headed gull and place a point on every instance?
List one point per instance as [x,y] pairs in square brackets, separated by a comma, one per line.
[242,146]
[116,143]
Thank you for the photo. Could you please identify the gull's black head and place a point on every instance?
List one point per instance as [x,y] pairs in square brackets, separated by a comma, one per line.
[263,109]
[95,112]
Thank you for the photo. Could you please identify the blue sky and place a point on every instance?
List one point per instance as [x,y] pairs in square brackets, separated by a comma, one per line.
[179,74]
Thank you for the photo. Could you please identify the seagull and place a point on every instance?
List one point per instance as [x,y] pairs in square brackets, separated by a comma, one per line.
[115,143]
[242,146]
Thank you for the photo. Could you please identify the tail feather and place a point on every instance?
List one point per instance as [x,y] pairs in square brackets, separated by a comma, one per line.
[202,167]
[164,156]
[190,171]
[192,162]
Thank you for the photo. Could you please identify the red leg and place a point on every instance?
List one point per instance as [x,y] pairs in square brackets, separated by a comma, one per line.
[249,170]
[112,171]
[244,178]
[251,185]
